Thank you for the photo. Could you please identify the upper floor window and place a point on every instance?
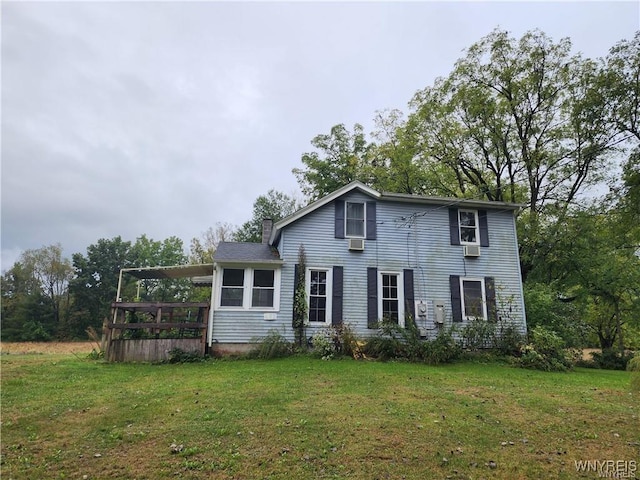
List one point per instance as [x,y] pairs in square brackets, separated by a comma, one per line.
[468,221]
[355,219]
[468,227]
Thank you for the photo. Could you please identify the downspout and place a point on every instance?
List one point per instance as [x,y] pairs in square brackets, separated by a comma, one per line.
[211,306]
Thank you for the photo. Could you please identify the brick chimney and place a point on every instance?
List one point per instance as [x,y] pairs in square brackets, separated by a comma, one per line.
[267,226]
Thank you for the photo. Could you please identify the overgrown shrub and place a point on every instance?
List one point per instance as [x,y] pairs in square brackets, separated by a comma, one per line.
[339,340]
[394,342]
[274,345]
[544,307]
[478,334]
[177,355]
[322,344]
[609,359]
[545,351]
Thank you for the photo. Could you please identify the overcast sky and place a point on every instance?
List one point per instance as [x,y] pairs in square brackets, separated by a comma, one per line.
[163,118]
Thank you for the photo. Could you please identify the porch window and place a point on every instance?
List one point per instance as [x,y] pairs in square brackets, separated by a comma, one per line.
[232,287]
[263,288]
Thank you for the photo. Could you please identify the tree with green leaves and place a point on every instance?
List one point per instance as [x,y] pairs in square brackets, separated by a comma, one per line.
[274,205]
[341,158]
[96,281]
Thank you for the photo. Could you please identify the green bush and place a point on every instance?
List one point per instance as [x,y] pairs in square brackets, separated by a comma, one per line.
[609,359]
[396,343]
[177,355]
[336,340]
[545,351]
[274,345]
[323,344]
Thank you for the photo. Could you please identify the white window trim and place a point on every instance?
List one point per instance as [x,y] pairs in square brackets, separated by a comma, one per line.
[400,295]
[329,272]
[247,290]
[484,298]
[477,227]
[364,220]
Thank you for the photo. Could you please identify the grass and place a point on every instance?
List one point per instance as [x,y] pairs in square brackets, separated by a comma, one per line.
[297,418]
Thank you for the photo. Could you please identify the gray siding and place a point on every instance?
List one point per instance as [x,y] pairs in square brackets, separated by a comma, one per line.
[409,236]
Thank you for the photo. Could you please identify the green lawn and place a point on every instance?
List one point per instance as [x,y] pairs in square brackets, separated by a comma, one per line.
[66,417]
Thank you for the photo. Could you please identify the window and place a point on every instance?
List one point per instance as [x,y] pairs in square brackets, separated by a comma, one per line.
[390,298]
[468,221]
[319,291]
[232,287]
[263,288]
[474,304]
[259,290]
[355,219]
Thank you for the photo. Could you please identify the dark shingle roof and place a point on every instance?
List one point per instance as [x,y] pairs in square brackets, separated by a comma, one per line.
[246,252]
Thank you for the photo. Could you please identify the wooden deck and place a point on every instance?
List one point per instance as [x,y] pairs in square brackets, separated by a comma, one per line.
[148,331]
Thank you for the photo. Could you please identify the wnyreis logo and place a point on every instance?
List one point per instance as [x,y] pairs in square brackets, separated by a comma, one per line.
[608,468]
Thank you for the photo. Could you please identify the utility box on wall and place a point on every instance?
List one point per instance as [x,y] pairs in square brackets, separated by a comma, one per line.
[439,312]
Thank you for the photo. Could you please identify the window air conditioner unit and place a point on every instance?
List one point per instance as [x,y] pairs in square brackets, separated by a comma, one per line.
[472,250]
[356,244]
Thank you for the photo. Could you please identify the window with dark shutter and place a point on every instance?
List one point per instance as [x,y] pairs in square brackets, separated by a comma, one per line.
[454,229]
[372,297]
[490,289]
[484,228]
[339,219]
[371,221]
[336,306]
[456,298]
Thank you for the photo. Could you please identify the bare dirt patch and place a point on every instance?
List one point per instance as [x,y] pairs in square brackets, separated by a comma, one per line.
[32,348]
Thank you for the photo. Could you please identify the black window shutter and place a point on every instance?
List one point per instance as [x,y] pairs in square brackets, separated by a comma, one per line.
[484,228]
[296,273]
[339,219]
[372,297]
[456,298]
[490,292]
[410,306]
[371,221]
[336,303]
[454,231]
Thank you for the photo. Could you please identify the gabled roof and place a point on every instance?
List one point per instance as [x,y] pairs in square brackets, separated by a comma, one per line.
[320,203]
[245,252]
[391,197]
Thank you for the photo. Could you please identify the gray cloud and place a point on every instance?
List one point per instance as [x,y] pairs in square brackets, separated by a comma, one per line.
[164,118]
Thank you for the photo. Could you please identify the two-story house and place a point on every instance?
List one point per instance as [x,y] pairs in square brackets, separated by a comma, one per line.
[371,256]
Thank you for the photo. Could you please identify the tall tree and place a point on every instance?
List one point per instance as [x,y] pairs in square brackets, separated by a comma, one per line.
[341,157]
[202,249]
[25,314]
[274,205]
[52,273]
[96,280]
[519,121]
